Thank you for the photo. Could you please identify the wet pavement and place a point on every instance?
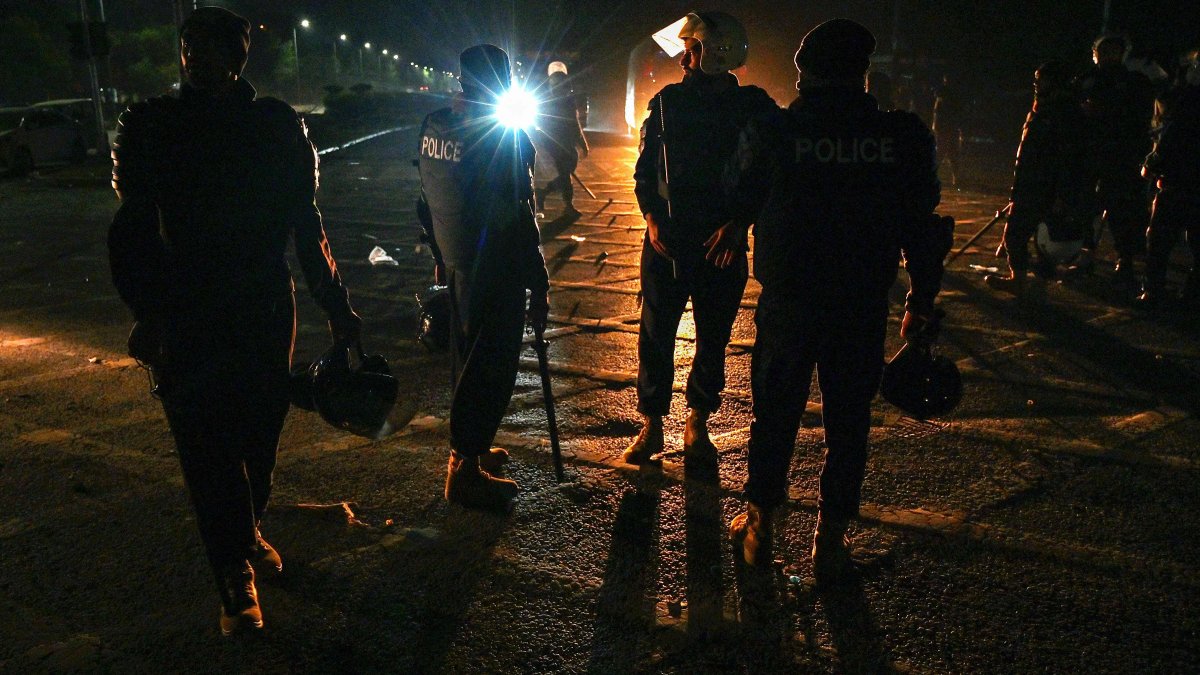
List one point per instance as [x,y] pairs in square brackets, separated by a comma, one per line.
[1047,525]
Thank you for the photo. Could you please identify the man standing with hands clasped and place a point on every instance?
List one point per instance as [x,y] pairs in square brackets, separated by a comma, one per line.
[692,249]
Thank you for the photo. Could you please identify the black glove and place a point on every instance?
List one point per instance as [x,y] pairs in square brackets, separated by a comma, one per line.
[346,328]
[539,309]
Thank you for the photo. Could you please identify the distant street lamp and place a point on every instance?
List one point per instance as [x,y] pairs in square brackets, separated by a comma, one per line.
[337,64]
[304,23]
[366,46]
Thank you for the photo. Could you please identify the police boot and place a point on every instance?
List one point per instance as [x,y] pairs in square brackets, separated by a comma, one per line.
[831,550]
[750,534]
[493,461]
[239,598]
[469,486]
[695,430]
[1083,266]
[265,555]
[648,443]
[699,453]
[569,201]
[1014,283]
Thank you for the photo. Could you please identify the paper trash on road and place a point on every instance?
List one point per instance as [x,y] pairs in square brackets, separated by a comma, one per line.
[378,256]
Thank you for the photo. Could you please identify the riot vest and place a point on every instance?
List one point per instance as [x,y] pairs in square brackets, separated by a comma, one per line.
[851,183]
[475,177]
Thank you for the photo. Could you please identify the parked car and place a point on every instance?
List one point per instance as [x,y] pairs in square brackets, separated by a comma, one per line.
[32,137]
[82,111]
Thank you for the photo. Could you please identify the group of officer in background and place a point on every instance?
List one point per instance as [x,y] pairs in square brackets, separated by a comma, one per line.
[1094,146]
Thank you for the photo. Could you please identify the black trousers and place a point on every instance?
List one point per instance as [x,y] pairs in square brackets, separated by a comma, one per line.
[565,164]
[716,295]
[1174,213]
[1121,197]
[489,323]
[225,393]
[1020,228]
[845,346]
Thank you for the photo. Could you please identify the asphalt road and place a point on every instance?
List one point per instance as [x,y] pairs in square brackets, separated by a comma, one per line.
[1047,526]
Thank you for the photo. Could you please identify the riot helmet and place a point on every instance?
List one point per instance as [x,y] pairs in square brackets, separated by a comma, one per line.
[1111,49]
[357,400]
[1059,239]
[484,69]
[722,37]
[920,383]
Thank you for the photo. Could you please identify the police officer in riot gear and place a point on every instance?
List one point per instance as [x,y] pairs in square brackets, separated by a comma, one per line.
[1118,104]
[1050,177]
[1175,166]
[212,185]
[561,137]
[838,190]
[476,207]
[692,248]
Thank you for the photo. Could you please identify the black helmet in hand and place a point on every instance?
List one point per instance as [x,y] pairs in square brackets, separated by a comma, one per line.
[358,400]
[920,383]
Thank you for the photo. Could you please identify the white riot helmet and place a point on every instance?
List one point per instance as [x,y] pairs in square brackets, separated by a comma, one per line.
[1057,242]
[556,67]
[723,38]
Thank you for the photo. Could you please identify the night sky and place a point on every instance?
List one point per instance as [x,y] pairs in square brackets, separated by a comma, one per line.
[989,44]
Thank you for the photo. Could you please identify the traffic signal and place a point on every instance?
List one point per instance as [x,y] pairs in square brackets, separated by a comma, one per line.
[97,34]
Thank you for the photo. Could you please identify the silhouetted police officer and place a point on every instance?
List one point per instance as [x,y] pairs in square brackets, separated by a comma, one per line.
[212,185]
[1119,104]
[477,209]
[837,190]
[1175,164]
[561,138]
[692,249]
[1050,179]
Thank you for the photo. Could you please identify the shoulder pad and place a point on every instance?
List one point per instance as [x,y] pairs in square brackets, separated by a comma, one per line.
[150,109]
[665,91]
[277,111]
[756,95]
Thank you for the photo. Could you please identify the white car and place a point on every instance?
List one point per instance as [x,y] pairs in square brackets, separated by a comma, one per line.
[33,137]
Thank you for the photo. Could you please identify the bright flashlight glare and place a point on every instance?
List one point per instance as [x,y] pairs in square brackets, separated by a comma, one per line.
[517,109]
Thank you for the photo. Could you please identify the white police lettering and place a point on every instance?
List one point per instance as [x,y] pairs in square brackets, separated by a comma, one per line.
[437,148]
[847,150]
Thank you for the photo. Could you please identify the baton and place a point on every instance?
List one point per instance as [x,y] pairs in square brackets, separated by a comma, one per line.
[539,346]
[583,185]
[1002,213]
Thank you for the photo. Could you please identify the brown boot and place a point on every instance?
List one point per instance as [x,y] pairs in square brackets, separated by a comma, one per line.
[751,531]
[831,549]
[266,556]
[468,485]
[648,443]
[695,430]
[239,599]
[493,461]
[1013,284]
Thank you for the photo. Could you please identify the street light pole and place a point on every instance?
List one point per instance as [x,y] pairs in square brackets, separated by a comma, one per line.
[304,23]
